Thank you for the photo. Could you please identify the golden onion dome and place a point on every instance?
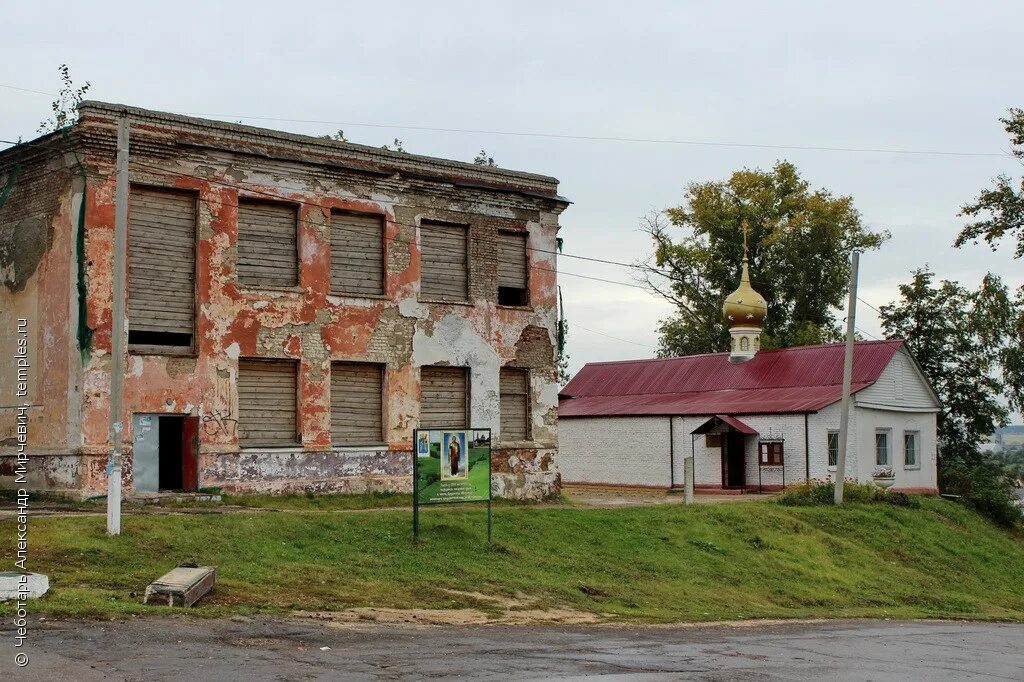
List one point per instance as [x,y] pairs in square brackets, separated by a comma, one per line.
[744,307]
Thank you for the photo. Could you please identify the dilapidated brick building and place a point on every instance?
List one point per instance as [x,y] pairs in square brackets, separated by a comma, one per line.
[295,307]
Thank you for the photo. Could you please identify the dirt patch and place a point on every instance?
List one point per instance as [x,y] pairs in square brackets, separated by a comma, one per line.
[519,610]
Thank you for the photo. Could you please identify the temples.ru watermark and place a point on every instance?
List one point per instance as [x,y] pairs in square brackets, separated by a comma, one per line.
[21,539]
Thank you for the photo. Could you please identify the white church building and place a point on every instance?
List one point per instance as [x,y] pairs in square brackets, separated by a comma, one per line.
[751,420]
[760,424]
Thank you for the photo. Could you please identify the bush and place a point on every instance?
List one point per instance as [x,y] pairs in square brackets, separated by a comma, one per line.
[982,485]
[817,493]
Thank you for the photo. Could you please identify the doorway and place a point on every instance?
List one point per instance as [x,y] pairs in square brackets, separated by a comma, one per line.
[165,453]
[734,460]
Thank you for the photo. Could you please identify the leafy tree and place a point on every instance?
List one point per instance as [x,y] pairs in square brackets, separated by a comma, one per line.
[482,159]
[956,335]
[337,137]
[959,337]
[65,107]
[1001,209]
[800,242]
[398,147]
[561,357]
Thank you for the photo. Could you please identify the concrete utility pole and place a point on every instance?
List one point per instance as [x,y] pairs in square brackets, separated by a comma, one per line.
[844,412]
[117,336]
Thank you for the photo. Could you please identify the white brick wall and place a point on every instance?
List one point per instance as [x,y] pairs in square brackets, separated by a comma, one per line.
[635,450]
[708,461]
[615,450]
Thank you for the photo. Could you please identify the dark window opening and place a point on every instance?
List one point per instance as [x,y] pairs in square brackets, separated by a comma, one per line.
[138,337]
[512,296]
[171,446]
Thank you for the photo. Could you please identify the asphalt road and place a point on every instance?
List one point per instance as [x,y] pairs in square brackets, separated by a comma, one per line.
[277,649]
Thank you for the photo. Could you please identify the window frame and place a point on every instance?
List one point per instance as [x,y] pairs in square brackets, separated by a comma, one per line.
[828,448]
[525,236]
[383,255]
[382,438]
[527,421]
[467,230]
[887,432]
[297,405]
[766,453]
[260,285]
[915,435]
[192,349]
[468,374]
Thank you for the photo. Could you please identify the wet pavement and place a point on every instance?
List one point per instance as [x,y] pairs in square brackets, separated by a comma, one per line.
[175,648]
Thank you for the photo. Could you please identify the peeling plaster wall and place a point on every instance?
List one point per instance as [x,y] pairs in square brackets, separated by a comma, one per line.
[37,283]
[310,324]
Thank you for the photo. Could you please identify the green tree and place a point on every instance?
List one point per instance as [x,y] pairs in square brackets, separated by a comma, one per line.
[65,108]
[956,334]
[800,242]
[1001,208]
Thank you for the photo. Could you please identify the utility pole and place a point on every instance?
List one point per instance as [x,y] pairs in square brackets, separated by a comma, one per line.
[844,410]
[117,335]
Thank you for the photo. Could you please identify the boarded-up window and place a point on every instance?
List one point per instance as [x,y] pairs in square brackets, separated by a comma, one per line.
[356,398]
[444,273]
[161,269]
[444,397]
[266,403]
[512,269]
[515,404]
[357,253]
[267,238]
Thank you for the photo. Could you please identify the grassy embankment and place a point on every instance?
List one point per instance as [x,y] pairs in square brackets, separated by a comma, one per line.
[659,563]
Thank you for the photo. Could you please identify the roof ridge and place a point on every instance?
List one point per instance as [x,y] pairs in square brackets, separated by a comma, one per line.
[300,138]
[787,349]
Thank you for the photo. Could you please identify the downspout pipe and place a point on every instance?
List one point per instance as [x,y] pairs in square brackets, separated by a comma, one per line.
[807,452]
[671,456]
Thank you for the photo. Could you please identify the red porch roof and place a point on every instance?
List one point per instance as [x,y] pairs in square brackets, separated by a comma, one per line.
[800,379]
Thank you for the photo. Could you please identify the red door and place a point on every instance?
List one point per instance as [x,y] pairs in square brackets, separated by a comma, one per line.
[190,454]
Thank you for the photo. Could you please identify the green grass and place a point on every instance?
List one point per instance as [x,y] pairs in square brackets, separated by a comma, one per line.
[655,563]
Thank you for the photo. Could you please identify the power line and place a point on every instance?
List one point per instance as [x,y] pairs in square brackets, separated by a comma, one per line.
[277,197]
[568,136]
[594,331]
[869,305]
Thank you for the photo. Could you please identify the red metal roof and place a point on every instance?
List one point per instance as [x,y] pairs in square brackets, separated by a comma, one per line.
[800,379]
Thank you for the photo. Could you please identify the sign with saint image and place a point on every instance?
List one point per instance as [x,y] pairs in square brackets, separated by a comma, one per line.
[452,465]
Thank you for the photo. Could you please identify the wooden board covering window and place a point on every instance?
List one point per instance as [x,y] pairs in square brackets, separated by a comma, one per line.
[444,274]
[267,398]
[161,266]
[515,404]
[512,260]
[357,253]
[444,397]
[356,399]
[267,244]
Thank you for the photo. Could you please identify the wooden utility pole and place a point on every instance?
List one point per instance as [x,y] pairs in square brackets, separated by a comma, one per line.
[117,336]
[844,410]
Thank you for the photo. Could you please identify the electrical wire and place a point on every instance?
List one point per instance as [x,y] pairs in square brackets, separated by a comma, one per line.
[616,338]
[567,136]
[277,197]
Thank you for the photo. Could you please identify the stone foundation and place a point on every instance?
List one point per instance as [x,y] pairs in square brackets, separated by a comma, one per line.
[516,473]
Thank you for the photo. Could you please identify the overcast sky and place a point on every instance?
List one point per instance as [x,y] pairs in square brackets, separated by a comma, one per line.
[879,75]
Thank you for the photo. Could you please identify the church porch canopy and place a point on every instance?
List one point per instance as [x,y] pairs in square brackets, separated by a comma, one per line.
[721,423]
